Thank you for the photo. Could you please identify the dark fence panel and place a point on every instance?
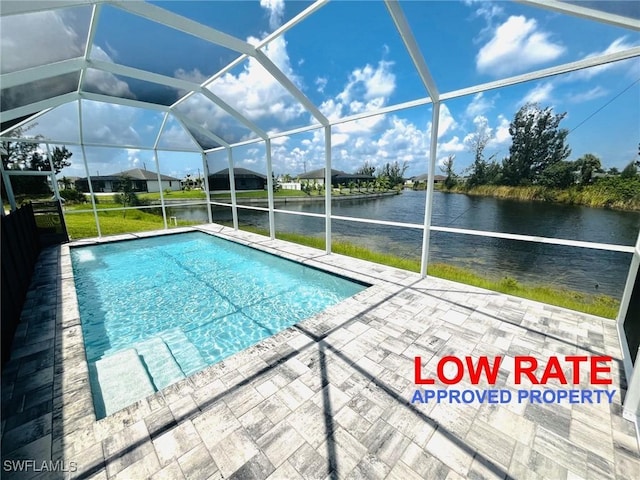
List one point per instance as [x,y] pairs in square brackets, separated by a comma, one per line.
[20,250]
[632,322]
[50,221]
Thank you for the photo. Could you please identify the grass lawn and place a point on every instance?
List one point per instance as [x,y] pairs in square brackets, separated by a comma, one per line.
[601,305]
[87,206]
[174,195]
[83,225]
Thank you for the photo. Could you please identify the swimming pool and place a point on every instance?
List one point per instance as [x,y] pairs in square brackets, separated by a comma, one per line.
[158,309]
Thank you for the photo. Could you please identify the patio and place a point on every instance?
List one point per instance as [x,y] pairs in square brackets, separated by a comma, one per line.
[327,398]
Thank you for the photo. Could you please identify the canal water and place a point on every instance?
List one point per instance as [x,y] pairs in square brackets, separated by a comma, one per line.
[586,270]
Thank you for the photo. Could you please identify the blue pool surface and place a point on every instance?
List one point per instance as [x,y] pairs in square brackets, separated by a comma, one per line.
[178,303]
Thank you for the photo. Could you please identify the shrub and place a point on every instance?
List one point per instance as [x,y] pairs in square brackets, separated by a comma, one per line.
[72,195]
[630,171]
[559,174]
[126,199]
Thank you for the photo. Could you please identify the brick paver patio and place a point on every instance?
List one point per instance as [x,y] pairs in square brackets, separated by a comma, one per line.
[328,398]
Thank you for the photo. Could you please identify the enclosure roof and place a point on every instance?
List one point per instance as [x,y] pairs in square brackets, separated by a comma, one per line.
[187,62]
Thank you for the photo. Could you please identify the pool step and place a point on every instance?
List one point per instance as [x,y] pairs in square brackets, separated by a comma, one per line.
[185,352]
[160,363]
[121,379]
[130,375]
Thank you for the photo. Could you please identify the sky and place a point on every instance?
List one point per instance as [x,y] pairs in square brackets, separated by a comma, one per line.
[347,58]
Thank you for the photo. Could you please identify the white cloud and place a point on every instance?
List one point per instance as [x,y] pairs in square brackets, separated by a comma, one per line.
[338,139]
[59,124]
[43,37]
[37,39]
[446,123]
[195,75]
[479,105]
[592,94]
[174,136]
[321,83]
[105,82]
[481,128]
[250,90]
[618,45]
[367,89]
[539,94]
[276,11]
[331,109]
[487,10]
[516,46]
[501,135]
[280,140]
[372,84]
[390,139]
[133,157]
[401,141]
[109,124]
[453,145]
[253,92]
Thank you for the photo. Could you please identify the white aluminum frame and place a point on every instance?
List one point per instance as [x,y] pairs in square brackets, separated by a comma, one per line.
[631,406]
[319,120]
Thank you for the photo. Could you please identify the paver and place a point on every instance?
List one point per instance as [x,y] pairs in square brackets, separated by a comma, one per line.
[328,397]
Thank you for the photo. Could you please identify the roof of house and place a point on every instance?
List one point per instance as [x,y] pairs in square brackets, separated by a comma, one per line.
[134,174]
[354,176]
[237,173]
[319,173]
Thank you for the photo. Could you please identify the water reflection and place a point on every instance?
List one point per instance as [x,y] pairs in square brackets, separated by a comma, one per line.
[591,271]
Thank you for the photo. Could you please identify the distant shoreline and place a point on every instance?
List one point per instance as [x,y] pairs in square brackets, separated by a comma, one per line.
[315,198]
[587,196]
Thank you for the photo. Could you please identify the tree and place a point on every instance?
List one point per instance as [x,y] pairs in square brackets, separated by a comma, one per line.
[630,171]
[366,169]
[275,184]
[382,183]
[613,171]
[393,173]
[28,156]
[59,157]
[588,165]
[447,168]
[476,143]
[17,155]
[537,143]
[559,175]
[126,196]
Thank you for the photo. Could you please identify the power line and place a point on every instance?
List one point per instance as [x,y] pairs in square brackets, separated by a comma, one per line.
[603,106]
[591,115]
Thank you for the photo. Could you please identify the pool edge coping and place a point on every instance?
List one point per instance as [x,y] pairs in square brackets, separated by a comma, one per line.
[71,315]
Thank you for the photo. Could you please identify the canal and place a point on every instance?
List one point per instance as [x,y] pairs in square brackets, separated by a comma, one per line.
[586,270]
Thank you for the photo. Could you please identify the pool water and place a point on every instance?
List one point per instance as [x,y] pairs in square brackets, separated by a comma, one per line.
[181,302]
